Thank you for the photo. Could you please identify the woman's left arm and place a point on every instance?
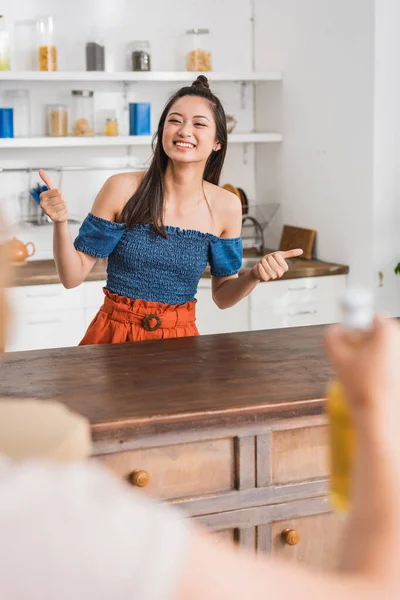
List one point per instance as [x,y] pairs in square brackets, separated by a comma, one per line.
[228,291]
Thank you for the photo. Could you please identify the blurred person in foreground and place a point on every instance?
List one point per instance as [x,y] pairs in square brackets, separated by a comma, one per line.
[69,530]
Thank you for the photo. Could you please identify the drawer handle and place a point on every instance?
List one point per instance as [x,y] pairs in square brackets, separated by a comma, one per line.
[303,288]
[50,321]
[140,478]
[302,312]
[291,537]
[51,295]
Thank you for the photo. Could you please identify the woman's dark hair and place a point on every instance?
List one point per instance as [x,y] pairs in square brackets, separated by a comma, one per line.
[146,204]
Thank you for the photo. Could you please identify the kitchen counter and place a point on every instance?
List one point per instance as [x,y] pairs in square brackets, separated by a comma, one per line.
[229,428]
[42,272]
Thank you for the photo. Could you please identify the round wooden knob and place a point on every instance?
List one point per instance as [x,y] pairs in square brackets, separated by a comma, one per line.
[140,478]
[291,536]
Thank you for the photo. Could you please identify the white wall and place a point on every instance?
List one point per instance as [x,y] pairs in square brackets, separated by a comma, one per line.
[118,23]
[323,174]
[386,209]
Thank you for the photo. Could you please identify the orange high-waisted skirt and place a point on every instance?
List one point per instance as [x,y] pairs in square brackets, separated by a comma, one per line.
[121,319]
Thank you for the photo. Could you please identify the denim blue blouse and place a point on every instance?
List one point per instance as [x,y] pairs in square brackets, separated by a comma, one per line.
[143,265]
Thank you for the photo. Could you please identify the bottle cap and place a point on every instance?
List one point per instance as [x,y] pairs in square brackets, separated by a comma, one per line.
[358,310]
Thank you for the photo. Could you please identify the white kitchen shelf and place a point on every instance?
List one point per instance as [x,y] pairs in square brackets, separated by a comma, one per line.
[135,76]
[142,140]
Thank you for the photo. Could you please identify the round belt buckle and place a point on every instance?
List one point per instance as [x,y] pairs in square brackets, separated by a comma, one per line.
[146,322]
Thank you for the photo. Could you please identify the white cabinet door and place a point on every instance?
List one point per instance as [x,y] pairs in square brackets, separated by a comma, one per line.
[50,329]
[93,299]
[211,319]
[296,302]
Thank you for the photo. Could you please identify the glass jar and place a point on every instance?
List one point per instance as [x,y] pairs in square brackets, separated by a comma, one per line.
[47,48]
[5,54]
[198,58]
[140,54]
[18,100]
[95,56]
[111,126]
[57,120]
[82,113]
[25,55]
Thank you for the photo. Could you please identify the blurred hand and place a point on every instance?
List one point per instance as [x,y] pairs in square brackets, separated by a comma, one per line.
[370,372]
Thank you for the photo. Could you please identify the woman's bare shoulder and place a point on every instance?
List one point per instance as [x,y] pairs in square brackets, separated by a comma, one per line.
[115,193]
[226,208]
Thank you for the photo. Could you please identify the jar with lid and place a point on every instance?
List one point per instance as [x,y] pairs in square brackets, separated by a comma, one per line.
[25,55]
[57,120]
[111,126]
[95,55]
[5,48]
[82,113]
[198,57]
[140,56]
[47,48]
[18,100]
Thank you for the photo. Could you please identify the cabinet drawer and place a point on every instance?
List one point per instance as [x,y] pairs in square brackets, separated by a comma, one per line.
[300,454]
[43,298]
[298,292]
[53,329]
[316,539]
[93,294]
[178,471]
[296,303]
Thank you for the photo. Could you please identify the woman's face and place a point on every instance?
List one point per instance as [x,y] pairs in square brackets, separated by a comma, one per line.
[189,131]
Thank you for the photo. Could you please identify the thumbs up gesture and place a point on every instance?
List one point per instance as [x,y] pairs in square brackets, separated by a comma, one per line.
[273,266]
[52,202]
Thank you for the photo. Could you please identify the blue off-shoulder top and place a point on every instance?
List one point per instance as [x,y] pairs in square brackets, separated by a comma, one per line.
[142,265]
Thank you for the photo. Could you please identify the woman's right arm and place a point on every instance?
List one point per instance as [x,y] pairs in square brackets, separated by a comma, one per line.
[74,266]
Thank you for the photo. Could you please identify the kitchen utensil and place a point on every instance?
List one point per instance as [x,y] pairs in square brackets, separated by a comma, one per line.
[19,251]
[230,123]
[298,237]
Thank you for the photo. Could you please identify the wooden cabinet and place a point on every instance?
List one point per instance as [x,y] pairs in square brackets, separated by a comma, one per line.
[266,491]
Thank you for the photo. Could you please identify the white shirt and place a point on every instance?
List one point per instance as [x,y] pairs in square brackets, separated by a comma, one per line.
[74,532]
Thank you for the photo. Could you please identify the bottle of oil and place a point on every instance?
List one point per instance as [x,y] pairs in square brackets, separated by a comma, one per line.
[357,318]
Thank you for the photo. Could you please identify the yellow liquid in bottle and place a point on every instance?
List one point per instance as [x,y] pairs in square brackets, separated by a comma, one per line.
[342,443]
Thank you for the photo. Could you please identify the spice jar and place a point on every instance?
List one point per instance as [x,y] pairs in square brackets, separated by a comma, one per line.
[57,120]
[198,57]
[141,60]
[95,56]
[82,113]
[47,48]
[111,126]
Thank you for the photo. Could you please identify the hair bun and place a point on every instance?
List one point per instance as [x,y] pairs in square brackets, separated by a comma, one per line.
[201,82]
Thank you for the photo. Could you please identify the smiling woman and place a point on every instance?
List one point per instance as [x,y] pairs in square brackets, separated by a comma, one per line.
[159,229]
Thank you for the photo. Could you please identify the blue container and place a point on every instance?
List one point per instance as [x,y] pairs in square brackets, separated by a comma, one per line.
[6,123]
[139,118]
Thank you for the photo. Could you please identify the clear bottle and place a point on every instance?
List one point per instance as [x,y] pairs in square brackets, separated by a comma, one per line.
[57,120]
[198,58]
[18,100]
[47,48]
[82,113]
[25,55]
[358,316]
[5,51]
